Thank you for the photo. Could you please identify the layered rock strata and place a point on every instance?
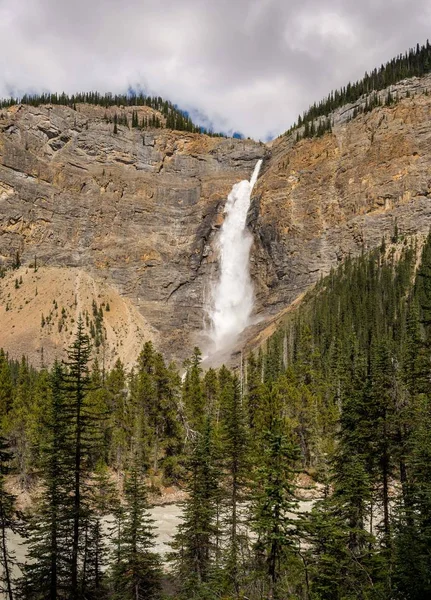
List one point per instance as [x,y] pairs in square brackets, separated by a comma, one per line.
[138,211]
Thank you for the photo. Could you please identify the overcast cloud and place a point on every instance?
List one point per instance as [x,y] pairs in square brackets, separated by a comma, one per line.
[248,65]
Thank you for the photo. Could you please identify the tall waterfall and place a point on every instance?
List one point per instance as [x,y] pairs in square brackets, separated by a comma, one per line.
[232,296]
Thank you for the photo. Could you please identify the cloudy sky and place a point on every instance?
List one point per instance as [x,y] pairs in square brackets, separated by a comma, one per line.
[248,65]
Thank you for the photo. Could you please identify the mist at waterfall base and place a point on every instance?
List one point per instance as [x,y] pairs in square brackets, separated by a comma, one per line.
[232,297]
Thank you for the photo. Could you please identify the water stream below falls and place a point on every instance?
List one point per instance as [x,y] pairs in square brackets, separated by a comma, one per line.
[232,296]
[166,520]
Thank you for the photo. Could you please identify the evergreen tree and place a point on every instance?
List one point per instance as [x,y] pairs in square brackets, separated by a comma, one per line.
[234,448]
[77,385]
[49,529]
[6,389]
[103,502]
[195,544]
[211,393]
[8,522]
[382,408]
[254,389]
[413,528]
[21,420]
[120,417]
[274,502]
[413,524]
[136,573]
[193,396]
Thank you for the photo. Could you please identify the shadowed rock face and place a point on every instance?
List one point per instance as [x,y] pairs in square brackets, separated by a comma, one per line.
[140,209]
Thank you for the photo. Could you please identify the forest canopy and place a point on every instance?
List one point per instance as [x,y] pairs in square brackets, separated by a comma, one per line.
[340,393]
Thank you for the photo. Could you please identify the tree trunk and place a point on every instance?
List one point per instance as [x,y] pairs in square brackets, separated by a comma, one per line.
[53,582]
[77,492]
[7,574]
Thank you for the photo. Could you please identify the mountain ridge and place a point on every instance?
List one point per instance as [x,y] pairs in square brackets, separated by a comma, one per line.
[140,209]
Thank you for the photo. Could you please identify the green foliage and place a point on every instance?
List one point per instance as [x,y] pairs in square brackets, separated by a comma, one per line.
[235,460]
[340,393]
[136,573]
[193,393]
[8,522]
[80,437]
[358,354]
[49,525]
[174,117]
[6,389]
[196,543]
[274,500]
[414,63]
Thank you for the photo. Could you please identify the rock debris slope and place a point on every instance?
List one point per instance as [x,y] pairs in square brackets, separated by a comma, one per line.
[137,210]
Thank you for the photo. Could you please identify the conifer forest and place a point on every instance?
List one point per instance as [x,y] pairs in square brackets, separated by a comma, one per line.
[339,393]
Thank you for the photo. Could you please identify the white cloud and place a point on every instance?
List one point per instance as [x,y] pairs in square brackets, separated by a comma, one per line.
[249,65]
[311,32]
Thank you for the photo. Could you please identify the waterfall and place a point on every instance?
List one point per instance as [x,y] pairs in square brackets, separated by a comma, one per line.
[232,296]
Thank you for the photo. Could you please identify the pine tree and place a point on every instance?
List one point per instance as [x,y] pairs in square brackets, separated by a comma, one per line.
[49,529]
[6,389]
[120,416]
[195,544]
[254,389]
[382,409]
[211,392]
[164,420]
[103,502]
[8,522]
[274,501]
[413,528]
[136,572]
[234,449]
[145,399]
[21,421]
[77,385]
[413,539]
[193,396]
[173,459]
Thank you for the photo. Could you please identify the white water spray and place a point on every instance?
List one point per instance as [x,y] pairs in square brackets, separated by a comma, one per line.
[232,296]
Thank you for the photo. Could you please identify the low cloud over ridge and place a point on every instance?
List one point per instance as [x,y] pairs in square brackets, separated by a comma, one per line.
[249,65]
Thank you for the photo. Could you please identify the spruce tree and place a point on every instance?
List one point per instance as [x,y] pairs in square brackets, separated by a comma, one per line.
[236,463]
[382,409]
[274,501]
[21,421]
[8,522]
[195,544]
[136,573]
[193,397]
[413,527]
[49,527]
[254,389]
[120,416]
[103,503]
[77,385]
[6,389]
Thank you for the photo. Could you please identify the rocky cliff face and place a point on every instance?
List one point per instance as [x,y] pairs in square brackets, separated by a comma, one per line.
[138,211]
[320,200]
